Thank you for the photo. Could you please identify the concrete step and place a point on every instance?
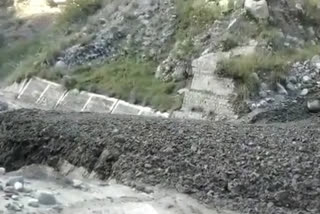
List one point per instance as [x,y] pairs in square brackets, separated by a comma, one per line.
[212,83]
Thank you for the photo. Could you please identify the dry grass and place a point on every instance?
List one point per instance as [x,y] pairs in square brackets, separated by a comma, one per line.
[312,10]
[277,65]
[78,10]
[194,16]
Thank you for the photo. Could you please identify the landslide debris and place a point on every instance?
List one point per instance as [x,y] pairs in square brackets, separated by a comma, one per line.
[255,169]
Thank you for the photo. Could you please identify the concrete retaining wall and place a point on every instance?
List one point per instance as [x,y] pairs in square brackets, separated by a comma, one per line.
[43,94]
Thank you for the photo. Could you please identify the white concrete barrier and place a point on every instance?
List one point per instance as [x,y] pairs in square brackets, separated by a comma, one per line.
[44,94]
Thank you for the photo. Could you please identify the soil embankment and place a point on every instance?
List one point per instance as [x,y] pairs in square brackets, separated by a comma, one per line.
[252,168]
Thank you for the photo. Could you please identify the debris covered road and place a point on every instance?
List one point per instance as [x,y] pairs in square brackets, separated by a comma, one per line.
[261,169]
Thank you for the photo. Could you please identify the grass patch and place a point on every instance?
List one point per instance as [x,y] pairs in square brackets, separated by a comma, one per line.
[194,16]
[129,79]
[24,59]
[78,10]
[312,11]
[229,42]
[185,49]
[242,68]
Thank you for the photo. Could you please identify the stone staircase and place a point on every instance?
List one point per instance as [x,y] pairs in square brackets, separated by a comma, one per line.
[208,93]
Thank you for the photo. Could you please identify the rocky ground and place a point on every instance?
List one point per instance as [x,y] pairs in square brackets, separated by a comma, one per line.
[41,190]
[249,168]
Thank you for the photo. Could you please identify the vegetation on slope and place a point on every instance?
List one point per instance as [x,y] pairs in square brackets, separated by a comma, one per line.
[275,64]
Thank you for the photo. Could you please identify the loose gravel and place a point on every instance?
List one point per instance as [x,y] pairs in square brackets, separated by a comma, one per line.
[261,169]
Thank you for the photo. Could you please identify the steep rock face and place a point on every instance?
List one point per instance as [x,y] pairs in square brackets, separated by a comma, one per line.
[140,26]
[257,8]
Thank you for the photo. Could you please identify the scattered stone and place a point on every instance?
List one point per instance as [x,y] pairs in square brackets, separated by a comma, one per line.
[281,90]
[15,197]
[10,190]
[306,79]
[313,106]
[27,190]
[2,171]
[14,206]
[77,184]
[46,198]
[58,208]
[60,65]
[13,180]
[18,186]
[183,91]
[33,203]
[304,92]
[255,77]
[257,8]
[292,79]
[3,106]
[263,94]
[291,87]
[315,61]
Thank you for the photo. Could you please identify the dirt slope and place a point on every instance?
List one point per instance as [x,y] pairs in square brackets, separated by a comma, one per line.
[255,169]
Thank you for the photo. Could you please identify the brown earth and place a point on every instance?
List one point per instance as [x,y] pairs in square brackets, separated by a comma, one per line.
[249,168]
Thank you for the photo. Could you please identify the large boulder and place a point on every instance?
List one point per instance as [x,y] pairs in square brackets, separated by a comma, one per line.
[257,8]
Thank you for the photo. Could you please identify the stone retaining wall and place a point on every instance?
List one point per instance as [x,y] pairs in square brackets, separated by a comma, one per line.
[43,94]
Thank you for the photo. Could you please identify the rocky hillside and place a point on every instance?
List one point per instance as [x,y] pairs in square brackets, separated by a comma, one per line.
[144,51]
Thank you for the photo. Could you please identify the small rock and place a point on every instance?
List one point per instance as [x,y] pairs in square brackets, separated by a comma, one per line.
[10,189]
[304,92]
[262,104]
[33,203]
[14,206]
[15,197]
[77,184]
[255,77]
[46,198]
[292,79]
[18,186]
[263,94]
[1,187]
[27,190]
[3,106]
[306,79]
[313,106]
[148,166]
[281,89]
[257,8]
[2,171]
[291,87]
[264,86]
[13,180]
[315,61]
[183,91]
[57,208]
[60,65]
